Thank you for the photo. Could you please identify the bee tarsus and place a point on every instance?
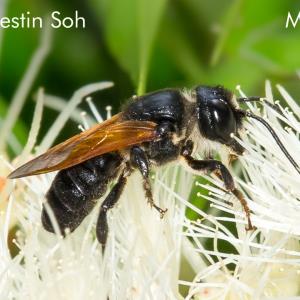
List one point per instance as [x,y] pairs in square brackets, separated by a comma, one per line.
[140,161]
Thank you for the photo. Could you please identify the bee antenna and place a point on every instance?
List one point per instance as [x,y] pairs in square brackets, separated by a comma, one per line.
[275,136]
[249,99]
[259,99]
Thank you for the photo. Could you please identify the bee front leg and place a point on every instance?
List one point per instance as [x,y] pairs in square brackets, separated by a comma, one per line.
[108,203]
[216,166]
[140,161]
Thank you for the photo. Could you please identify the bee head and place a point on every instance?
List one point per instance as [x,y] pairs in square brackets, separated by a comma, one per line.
[218,117]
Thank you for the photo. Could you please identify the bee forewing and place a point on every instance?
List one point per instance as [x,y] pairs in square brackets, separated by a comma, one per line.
[111,135]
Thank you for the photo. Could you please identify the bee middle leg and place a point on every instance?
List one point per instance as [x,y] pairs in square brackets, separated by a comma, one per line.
[140,161]
[217,167]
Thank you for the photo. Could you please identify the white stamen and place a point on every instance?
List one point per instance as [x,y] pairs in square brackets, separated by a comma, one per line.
[108,110]
[144,253]
[93,109]
[84,120]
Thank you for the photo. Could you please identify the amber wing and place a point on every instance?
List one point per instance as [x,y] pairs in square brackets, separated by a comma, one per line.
[111,135]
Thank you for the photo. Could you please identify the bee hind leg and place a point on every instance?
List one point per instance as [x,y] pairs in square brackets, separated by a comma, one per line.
[140,161]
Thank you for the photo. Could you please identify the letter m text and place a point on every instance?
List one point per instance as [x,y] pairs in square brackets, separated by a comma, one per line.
[290,19]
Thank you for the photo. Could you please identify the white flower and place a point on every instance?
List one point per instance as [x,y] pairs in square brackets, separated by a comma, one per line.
[265,264]
[143,255]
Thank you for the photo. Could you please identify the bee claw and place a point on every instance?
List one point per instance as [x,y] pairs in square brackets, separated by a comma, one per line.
[250,227]
[162,212]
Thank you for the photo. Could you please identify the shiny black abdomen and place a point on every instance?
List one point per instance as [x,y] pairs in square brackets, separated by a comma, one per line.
[74,191]
[163,105]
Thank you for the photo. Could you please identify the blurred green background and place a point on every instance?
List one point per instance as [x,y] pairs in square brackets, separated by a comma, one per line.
[144,45]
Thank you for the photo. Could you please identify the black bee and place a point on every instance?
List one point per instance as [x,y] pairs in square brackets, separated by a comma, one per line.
[153,129]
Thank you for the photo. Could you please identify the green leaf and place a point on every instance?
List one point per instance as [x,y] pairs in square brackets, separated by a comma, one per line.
[183,55]
[228,24]
[263,40]
[20,130]
[130,29]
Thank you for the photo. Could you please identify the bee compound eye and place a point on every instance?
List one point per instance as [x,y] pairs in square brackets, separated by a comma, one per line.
[217,121]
